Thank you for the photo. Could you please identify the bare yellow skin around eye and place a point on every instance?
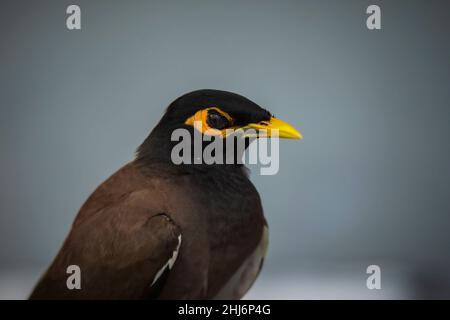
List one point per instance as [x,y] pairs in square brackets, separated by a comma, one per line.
[198,120]
[271,128]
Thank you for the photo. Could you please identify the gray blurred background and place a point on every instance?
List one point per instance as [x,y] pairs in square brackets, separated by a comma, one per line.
[369,184]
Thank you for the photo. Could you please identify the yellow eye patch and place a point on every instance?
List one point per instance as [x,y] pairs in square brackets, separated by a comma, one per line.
[201,122]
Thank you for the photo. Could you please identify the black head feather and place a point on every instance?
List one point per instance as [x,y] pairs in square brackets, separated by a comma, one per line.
[157,146]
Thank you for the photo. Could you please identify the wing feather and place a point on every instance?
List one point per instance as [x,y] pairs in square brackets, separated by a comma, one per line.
[121,250]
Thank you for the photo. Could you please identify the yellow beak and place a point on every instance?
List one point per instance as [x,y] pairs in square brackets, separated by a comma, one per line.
[273,128]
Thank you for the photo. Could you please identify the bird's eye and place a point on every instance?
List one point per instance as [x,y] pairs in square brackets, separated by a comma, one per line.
[216,120]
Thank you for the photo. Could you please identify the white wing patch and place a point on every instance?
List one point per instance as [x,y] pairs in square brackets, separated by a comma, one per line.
[169,264]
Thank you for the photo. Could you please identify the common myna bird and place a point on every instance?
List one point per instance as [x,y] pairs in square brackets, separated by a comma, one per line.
[159,230]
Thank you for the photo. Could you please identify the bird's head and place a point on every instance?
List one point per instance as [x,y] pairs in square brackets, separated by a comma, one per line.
[214,112]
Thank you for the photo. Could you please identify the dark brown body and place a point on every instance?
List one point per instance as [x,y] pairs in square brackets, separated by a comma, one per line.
[128,229]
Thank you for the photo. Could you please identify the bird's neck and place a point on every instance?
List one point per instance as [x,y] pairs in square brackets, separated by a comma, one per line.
[159,148]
